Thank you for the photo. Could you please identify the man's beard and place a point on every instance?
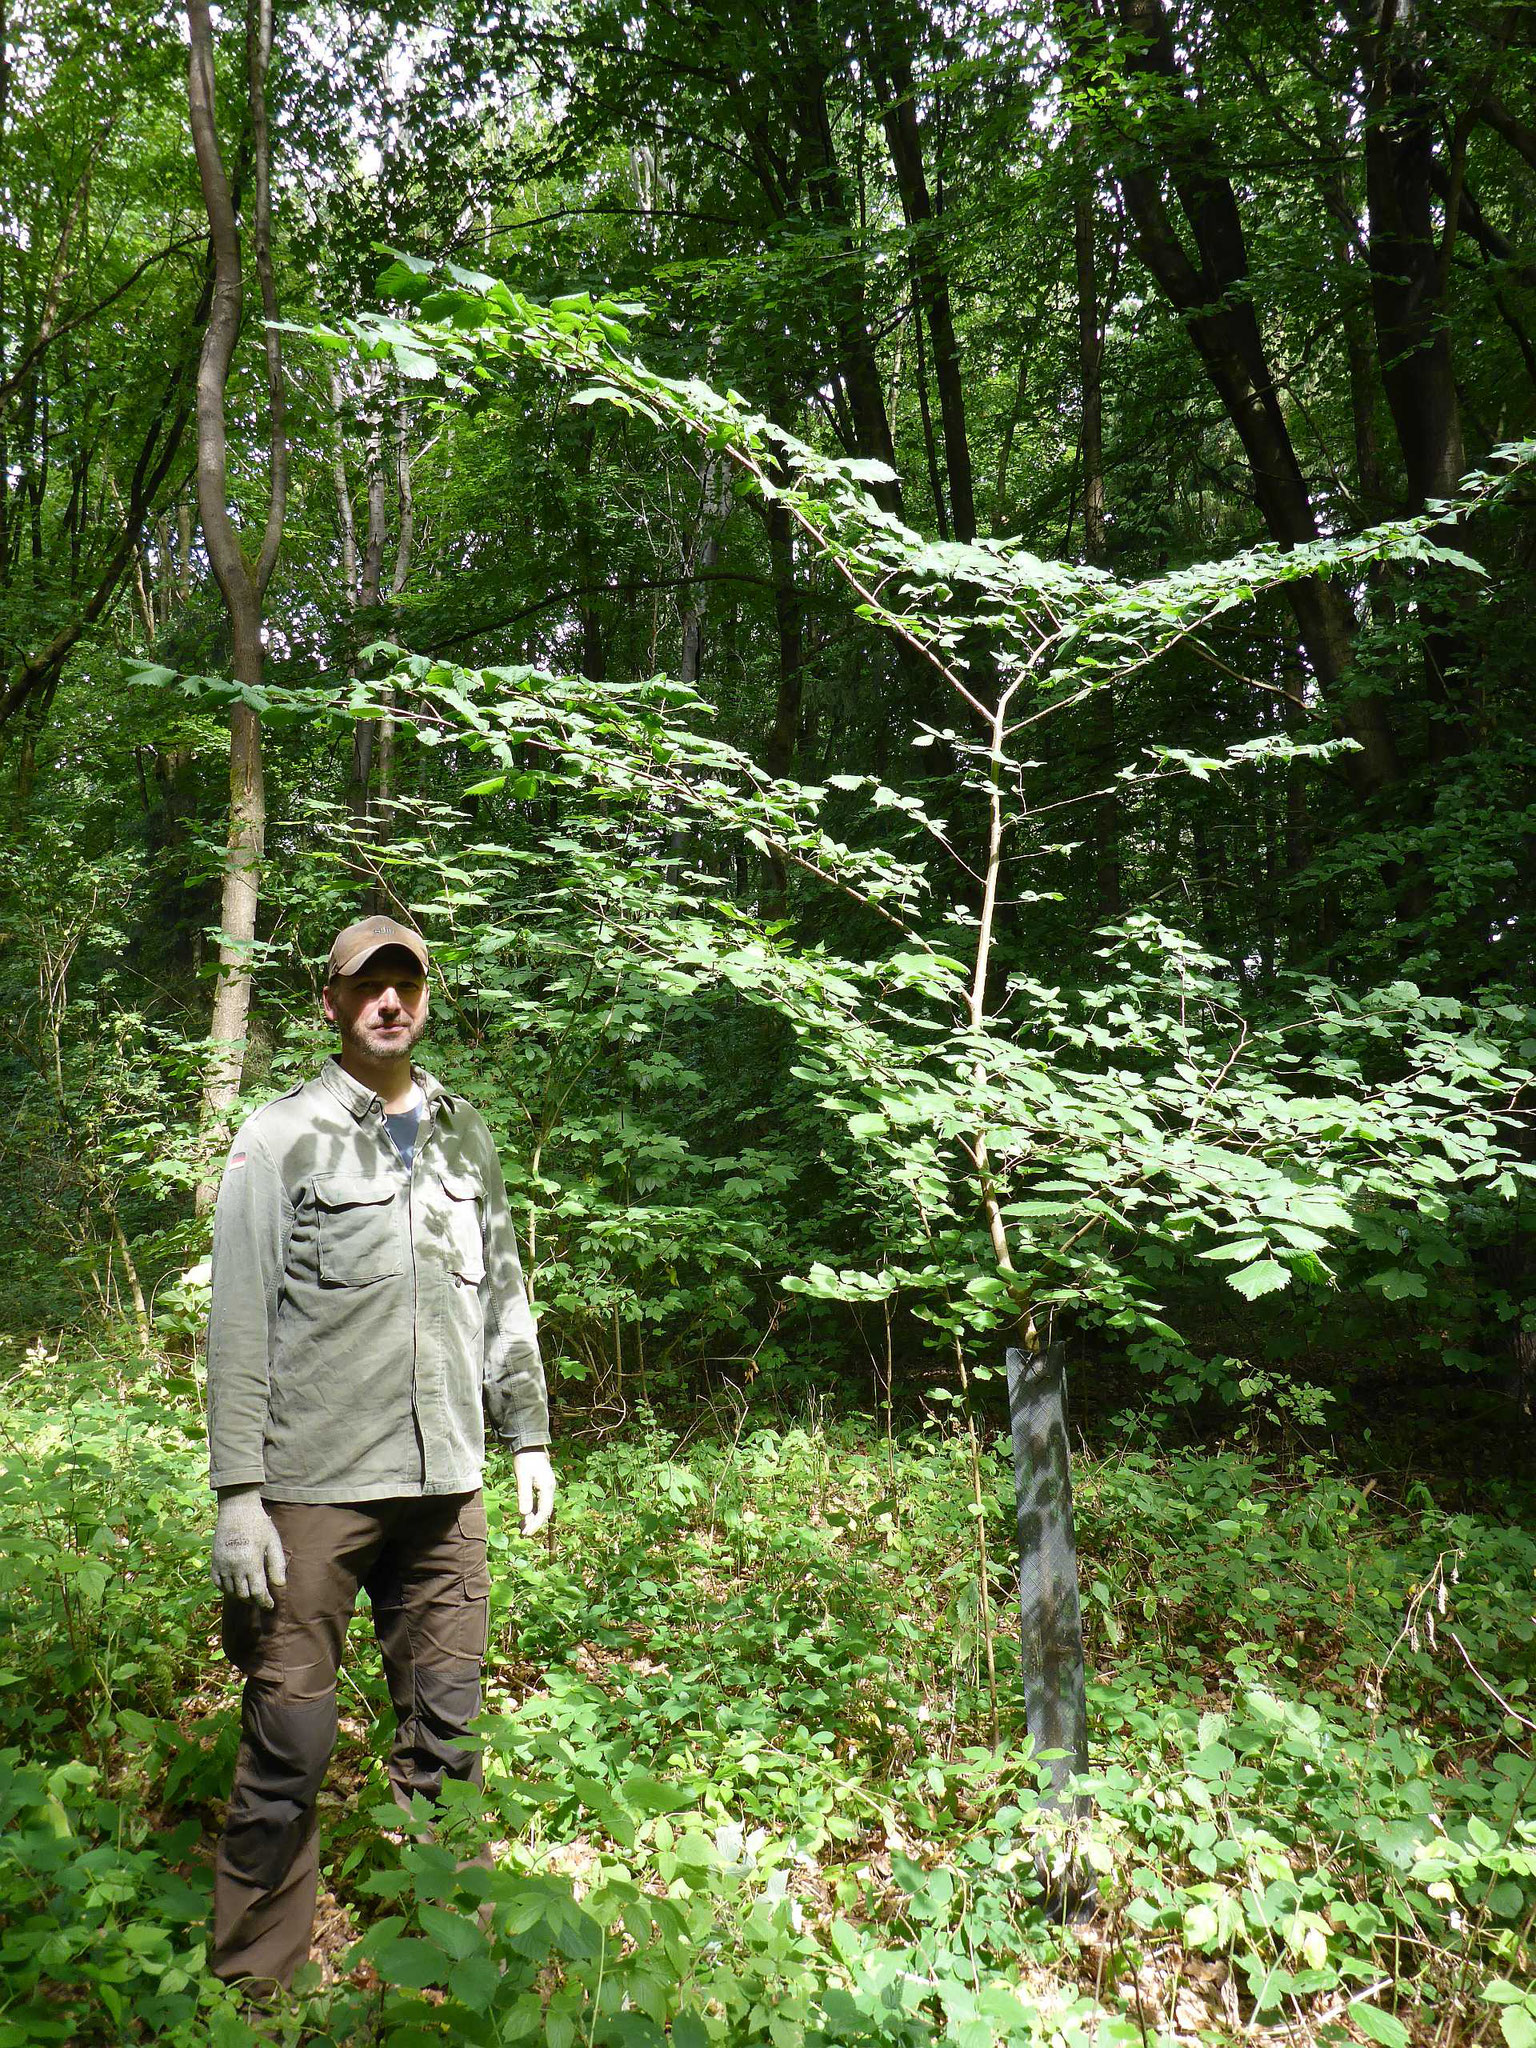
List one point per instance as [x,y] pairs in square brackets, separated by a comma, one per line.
[377,1045]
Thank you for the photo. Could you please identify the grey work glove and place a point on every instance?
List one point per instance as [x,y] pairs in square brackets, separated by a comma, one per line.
[248,1561]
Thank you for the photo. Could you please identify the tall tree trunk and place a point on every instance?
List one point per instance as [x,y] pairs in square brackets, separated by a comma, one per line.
[1005,450]
[361,577]
[1101,706]
[1370,490]
[1410,267]
[845,284]
[1214,298]
[184,551]
[904,139]
[703,553]
[370,593]
[779,752]
[1409,263]
[594,652]
[808,179]
[405,545]
[1297,842]
[242,588]
[925,413]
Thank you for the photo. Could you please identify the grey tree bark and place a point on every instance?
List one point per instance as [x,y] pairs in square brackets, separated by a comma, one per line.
[242,586]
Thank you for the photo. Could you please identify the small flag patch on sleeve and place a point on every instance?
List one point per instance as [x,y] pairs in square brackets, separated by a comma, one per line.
[235,1159]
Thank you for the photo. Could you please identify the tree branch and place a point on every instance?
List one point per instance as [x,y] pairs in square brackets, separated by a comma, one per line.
[46,340]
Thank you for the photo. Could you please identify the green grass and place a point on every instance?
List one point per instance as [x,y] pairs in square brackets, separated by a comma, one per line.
[742,1770]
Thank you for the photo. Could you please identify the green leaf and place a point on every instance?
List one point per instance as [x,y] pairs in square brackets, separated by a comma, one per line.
[403,279]
[867,1124]
[410,1962]
[1518,2026]
[451,1932]
[1200,1925]
[411,362]
[1499,1991]
[150,675]
[1265,1276]
[1377,2025]
[648,1795]
[1398,1285]
[475,1981]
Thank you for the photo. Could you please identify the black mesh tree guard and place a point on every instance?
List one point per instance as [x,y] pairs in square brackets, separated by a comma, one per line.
[1051,1658]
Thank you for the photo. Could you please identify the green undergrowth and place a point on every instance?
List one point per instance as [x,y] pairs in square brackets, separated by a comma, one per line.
[744,1782]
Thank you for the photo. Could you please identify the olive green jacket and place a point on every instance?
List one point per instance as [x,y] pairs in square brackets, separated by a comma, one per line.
[366,1319]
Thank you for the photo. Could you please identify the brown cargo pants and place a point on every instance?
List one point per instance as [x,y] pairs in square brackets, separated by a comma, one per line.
[422,1564]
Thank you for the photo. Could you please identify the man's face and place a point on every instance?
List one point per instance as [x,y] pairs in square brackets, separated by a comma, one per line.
[381,1010]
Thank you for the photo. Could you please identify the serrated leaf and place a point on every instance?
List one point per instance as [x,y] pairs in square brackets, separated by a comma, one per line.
[451,1932]
[1265,1276]
[403,279]
[1301,1238]
[411,362]
[1499,1991]
[411,1962]
[475,1982]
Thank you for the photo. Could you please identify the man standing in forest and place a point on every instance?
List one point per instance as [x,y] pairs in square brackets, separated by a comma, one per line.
[368,1316]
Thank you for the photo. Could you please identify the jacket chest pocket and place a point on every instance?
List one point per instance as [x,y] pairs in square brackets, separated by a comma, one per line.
[466,1244]
[359,1230]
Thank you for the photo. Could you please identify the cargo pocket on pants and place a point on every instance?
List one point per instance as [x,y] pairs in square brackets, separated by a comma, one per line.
[475,1585]
[477,1612]
[246,1633]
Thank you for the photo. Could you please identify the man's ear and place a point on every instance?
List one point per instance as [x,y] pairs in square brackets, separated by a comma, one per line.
[326,1004]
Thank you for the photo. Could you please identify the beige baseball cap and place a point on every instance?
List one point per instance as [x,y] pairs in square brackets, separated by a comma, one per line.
[370,935]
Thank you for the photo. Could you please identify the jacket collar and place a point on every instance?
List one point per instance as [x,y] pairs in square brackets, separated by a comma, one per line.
[352,1095]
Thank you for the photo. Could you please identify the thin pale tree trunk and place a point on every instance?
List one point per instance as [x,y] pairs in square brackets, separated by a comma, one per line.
[241,587]
[369,594]
[384,745]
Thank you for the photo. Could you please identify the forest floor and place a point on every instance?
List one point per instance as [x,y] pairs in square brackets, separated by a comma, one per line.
[744,1779]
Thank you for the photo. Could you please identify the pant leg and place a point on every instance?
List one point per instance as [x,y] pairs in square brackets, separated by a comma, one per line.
[430,1593]
[267,1868]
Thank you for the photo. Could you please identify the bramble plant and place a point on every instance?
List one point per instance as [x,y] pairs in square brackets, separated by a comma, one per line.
[735,1777]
